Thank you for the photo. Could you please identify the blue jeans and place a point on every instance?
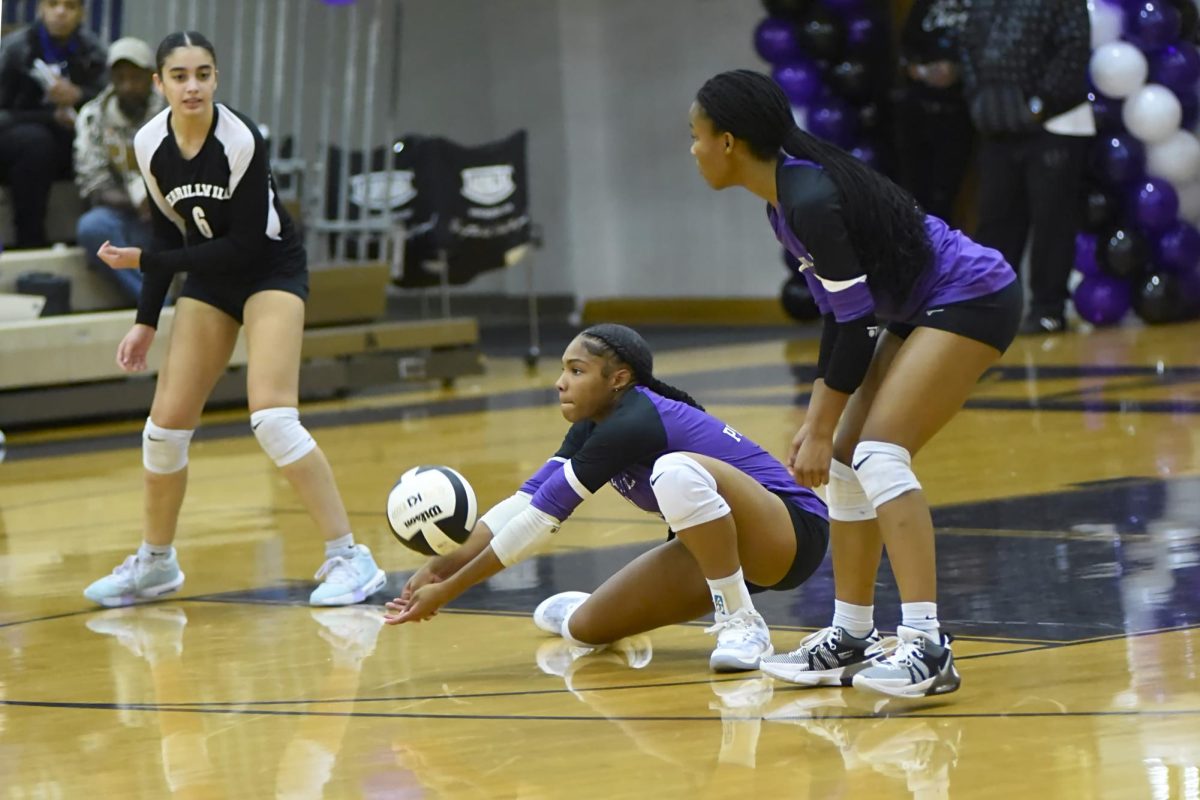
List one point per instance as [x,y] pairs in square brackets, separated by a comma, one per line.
[124,229]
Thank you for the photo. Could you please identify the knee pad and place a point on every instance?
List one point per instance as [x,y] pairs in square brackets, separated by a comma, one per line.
[164,450]
[884,470]
[845,496]
[281,435]
[686,492]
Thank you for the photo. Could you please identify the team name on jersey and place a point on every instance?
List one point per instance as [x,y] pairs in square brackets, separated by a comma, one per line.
[188,190]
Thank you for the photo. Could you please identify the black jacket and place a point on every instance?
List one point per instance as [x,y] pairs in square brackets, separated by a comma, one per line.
[22,98]
[1041,47]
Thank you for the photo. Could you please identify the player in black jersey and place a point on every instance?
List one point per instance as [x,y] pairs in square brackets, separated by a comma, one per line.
[730,506]
[216,217]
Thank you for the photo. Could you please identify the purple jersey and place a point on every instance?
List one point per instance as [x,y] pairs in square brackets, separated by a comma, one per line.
[960,270]
[622,449]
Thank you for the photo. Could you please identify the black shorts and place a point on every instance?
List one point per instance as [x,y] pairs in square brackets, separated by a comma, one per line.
[812,540]
[992,319]
[229,293]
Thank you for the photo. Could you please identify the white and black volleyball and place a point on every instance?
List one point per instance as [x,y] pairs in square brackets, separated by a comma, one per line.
[432,509]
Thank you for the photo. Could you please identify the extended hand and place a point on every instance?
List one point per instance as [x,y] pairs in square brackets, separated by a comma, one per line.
[131,352]
[120,257]
[422,604]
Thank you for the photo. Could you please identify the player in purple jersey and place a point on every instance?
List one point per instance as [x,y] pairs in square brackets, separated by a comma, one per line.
[914,313]
[216,217]
[739,523]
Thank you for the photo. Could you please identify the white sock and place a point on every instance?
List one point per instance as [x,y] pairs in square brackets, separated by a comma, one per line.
[730,595]
[857,620]
[341,546]
[148,551]
[922,616]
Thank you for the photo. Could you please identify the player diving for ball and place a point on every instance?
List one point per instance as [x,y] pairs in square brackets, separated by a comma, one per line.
[739,523]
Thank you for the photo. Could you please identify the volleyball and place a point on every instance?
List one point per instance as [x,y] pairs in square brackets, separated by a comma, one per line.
[432,509]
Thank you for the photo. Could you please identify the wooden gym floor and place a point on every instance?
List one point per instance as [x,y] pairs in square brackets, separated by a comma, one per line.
[1067,502]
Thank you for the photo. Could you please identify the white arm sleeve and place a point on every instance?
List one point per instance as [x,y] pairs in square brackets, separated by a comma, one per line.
[502,513]
[523,536]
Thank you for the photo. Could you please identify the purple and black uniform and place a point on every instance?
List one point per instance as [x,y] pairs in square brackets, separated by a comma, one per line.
[809,224]
[622,449]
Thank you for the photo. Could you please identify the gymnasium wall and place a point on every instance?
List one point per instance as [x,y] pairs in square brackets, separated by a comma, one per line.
[603,88]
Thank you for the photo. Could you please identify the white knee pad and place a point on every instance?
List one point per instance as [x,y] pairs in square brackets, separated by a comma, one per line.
[686,492]
[884,470]
[164,450]
[845,496]
[281,435]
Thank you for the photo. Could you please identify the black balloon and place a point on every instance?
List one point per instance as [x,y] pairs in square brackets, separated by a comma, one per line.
[1123,253]
[1159,298]
[786,8]
[1189,17]
[797,300]
[821,35]
[1099,210]
[852,80]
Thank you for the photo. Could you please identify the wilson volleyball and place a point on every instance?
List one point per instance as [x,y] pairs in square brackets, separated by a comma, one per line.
[432,509]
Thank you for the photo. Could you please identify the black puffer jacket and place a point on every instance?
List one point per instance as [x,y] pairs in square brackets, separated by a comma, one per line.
[22,97]
[1039,47]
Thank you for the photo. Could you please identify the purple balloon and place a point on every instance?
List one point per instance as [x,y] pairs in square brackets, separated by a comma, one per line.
[1107,111]
[842,6]
[832,120]
[866,154]
[1120,157]
[1153,25]
[1189,104]
[1176,67]
[1155,205]
[1102,300]
[1178,249]
[1085,254]
[775,41]
[800,81]
[861,32]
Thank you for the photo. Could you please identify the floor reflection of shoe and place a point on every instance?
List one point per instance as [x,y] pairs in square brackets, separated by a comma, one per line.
[920,751]
[560,658]
[551,612]
[796,707]
[740,703]
[352,630]
[742,640]
[748,696]
[147,631]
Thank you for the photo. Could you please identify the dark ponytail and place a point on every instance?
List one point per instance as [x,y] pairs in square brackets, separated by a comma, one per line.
[626,345]
[885,223]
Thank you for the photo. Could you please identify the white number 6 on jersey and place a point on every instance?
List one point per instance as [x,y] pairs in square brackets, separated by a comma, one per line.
[201,222]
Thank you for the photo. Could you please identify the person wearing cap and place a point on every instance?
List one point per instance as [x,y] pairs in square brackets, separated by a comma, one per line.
[47,72]
[106,169]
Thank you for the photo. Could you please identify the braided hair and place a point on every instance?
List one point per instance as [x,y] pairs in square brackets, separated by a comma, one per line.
[608,340]
[885,223]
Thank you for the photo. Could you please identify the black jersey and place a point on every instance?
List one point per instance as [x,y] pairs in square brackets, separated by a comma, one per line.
[216,214]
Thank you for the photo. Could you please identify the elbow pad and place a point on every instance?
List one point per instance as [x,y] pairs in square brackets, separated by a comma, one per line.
[503,512]
[523,536]
[851,354]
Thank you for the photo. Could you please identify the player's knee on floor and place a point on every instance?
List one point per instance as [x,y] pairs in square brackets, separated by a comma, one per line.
[579,640]
[281,435]
[164,450]
[847,500]
[686,492]
[884,470]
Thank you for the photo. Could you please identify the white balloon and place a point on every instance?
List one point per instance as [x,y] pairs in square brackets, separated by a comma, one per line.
[1107,21]
[1189,202]
[1118,69]
[1175,159]
[1152,113]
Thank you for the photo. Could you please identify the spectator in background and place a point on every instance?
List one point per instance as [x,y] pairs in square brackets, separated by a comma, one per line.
[1025,78]
[47,71]
[106,168]
[935,131]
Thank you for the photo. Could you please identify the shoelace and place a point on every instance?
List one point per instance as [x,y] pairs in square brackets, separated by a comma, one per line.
[882,647]
[126,567]
[902,656]
[338,569]
[815,640]
[736,628]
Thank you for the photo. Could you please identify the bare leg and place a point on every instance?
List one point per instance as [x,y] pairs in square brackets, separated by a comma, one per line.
[274,329]
[202,339]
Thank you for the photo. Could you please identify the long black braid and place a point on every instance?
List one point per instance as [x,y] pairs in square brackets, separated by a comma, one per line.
[885,223]
[609,340]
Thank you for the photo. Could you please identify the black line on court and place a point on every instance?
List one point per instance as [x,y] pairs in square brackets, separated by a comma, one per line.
[153,707]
